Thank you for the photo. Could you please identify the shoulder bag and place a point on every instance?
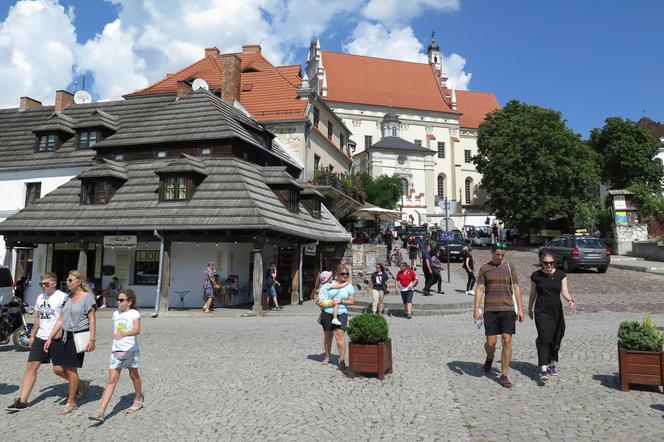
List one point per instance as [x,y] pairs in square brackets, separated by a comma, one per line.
[516,306]
[81,340]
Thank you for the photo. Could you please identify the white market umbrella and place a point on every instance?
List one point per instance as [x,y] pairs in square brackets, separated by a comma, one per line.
[375,213]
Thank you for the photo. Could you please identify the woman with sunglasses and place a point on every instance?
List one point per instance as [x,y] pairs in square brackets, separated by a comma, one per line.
[124,353]
[547,285]
[77,316]
[341,297]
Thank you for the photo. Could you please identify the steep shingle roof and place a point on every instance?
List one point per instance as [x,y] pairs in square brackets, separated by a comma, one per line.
[233,196]
[399,143]
[98,118]
[105,169]
[185,163]
[475,106]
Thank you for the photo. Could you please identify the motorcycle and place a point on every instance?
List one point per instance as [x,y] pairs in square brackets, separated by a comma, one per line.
[13,323]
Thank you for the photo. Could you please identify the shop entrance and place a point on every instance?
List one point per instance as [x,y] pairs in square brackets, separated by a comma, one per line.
[66,260]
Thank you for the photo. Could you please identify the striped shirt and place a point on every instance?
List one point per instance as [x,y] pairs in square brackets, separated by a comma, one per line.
[497,291]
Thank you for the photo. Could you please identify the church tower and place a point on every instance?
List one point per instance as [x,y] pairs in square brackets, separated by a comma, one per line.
[436,60]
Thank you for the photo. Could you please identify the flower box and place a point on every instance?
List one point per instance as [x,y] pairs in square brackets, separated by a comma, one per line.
[640,367]
[370,358]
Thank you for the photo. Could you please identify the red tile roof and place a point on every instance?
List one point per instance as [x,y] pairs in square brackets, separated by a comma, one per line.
[475,106]
[382,82]
[273,91]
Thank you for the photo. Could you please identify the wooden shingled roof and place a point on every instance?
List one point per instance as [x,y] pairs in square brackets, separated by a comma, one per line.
[233,196]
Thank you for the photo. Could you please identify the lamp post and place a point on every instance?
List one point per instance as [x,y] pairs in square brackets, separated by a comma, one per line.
[447,211]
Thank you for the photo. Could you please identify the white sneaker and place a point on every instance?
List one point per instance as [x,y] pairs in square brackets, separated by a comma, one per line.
[335,321]
[103,306]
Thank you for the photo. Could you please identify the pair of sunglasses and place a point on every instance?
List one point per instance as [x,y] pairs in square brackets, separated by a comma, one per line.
[501,245]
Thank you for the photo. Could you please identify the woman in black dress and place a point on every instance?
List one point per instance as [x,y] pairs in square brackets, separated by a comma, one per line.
[547,285]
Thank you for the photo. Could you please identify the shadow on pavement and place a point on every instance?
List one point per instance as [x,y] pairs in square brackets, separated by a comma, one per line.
[470,368]
[526,369]
[8,388]
[334,359]
[125,402]
[94,393]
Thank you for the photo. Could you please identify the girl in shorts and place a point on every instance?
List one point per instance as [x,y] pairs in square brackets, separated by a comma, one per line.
[124,353]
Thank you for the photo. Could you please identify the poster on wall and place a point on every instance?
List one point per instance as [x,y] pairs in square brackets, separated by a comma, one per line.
[358,257]
[370,257]
[622,219]
[122,266]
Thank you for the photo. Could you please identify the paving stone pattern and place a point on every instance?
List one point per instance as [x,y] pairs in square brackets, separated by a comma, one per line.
[260,379]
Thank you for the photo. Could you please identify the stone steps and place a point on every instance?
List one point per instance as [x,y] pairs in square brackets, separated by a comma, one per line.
[396,309]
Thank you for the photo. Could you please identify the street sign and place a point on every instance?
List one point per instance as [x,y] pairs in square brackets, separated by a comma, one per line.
[310,250]
[120,241]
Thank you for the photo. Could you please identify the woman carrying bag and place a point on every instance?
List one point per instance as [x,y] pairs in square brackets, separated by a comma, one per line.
[380,283]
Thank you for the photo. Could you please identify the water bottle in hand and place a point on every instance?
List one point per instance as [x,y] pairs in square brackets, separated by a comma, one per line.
[478,322]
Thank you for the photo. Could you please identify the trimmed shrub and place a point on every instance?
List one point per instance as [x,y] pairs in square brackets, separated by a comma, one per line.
[368,328]
[641,336]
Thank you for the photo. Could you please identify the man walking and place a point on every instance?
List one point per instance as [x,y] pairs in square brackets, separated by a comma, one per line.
[497,281]
[47,310]
[406,279]
[427,268]
[437,267]
[208,289]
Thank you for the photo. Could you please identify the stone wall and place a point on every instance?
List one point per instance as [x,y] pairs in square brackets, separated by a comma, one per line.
[626,235]
[649,250]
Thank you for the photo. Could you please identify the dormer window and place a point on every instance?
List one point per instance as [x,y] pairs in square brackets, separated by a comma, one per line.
[313,205]
[88,138]
[48,142]
[293,203]
[176,188]
[95,192]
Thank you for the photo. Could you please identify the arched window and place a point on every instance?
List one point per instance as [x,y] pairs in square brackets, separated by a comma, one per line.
[469,188]
[441,185]
[404,186]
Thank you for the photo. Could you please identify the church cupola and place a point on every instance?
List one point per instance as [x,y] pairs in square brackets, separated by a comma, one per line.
[436,60]
[390,126]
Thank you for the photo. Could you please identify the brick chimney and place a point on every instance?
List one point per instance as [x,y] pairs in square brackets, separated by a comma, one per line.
[230,78]
[28,103]
[252,48]
[211,52]
[183,88]
[62,100]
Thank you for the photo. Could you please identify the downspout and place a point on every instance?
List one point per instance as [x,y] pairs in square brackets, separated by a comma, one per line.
[161,267]
[299,273]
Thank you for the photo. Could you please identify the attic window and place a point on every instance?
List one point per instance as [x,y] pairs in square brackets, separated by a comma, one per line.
[293,202]
[247,87]
[88,138]
[313,206]
[176,188]
[47,142]
[249,69]
[95,192]
[206,151]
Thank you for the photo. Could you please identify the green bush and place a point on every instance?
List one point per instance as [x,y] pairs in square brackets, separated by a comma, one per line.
[642,336]
[368,328]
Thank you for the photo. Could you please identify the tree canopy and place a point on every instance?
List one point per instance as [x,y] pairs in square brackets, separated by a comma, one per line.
[625,154]
[535,169]
[383,191]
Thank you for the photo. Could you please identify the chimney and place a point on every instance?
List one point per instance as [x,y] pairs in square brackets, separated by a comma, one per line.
[28,103]
[183,88]
[230,78]
[62,100]
[211,52]
[252,48]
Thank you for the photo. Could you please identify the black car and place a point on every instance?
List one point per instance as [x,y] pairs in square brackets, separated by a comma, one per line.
[579,252]
[448,241]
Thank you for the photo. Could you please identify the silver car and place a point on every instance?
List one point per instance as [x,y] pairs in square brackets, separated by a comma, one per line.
[579,252]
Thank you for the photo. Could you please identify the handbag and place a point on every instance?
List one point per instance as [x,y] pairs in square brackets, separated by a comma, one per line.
[123,355]
[81,340]
[516,307]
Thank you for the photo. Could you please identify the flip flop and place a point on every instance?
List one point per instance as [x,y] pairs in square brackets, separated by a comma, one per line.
[135,406]
[68,409]
[98,418]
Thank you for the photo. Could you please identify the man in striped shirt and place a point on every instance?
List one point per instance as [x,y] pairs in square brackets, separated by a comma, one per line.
[496,282]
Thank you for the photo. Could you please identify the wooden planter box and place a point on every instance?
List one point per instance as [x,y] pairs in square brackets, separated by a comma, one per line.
[375,359]
[640,367]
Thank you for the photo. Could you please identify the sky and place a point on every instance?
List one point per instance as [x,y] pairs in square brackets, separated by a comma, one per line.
[589,60]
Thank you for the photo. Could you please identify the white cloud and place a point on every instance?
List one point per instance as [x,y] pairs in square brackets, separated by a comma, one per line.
[35,64]
[377,40]
[399,12]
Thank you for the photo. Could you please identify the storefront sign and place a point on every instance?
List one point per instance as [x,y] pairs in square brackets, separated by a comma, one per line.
[310,250]
[619,202]
[120,241]
[72,246]
[122,266]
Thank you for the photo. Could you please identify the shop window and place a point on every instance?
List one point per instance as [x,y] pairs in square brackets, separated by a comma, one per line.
[146,267]
[87,139]
[32,193]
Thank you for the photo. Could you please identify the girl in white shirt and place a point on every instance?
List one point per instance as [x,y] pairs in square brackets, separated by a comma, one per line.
[124,353]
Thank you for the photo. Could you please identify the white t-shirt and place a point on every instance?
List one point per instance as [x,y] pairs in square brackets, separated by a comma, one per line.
[48,308]
[124,322]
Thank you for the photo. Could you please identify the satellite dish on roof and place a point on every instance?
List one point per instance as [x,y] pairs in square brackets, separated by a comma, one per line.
[82,97]
[199,83]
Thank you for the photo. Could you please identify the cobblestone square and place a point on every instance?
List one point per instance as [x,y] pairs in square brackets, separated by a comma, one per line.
[228,378]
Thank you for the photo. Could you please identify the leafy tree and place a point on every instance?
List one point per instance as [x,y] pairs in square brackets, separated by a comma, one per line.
[625,153]
[535,169]
[383,191]
[650,203]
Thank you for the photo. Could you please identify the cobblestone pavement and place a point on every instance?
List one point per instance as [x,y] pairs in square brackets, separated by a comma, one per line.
[617,290]
[259,379]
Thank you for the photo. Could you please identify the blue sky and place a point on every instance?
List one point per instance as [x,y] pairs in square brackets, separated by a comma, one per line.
[589,63]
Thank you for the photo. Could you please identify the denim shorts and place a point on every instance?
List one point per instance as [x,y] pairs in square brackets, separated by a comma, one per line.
[272,291]
[209,291]
[130,362]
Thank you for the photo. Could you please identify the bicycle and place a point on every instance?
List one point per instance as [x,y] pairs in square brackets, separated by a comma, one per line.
[395,257]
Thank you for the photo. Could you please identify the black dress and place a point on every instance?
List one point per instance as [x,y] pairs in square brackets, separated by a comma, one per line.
[549,318]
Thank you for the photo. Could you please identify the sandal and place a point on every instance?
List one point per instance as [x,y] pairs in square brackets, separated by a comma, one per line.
[98,418]
[68,409]
[135,406]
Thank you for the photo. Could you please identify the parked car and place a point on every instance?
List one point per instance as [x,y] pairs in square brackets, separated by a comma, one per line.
[6,283]
[478,236]
[448,241]
[579,252]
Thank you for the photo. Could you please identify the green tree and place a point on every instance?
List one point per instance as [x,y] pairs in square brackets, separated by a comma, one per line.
[625,154]
[383,191]
[535,169]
